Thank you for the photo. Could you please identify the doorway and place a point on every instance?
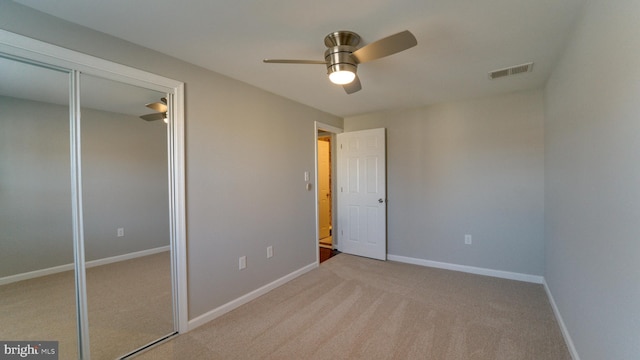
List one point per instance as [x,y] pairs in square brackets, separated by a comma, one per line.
[358,192]
[325,240]
[325,194]
[324,190]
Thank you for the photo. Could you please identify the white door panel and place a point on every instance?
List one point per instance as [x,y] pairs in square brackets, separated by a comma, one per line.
[362,193]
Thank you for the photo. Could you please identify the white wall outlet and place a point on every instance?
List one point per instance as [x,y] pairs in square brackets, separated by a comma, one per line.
[242,262]
[467,239]
[120,232]
[306,176]
[269,251]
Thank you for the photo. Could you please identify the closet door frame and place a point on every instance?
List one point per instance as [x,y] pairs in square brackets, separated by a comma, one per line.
[78,63]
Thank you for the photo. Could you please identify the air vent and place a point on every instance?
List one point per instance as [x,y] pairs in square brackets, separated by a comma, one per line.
[518,69]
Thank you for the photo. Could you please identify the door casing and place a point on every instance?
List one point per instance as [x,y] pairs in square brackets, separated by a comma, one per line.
[333,130]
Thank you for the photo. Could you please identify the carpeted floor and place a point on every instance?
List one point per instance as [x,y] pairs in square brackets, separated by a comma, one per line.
[129,306]
[358,308]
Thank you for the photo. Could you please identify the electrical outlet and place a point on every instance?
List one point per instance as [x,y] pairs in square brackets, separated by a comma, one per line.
[120,232]
[242,262]
[467,239]
[269,251]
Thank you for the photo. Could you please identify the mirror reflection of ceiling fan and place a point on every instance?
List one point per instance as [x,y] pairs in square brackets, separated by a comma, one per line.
[342,57]
[160,107]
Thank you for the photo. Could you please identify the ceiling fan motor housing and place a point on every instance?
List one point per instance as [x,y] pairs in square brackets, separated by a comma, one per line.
[342,37]
[339,58]
[338,55]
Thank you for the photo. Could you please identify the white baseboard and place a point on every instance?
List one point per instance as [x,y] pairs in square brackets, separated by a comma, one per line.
[67,267]
[563,328]
[469,269]
[221,310]
[128,256]
[34,274]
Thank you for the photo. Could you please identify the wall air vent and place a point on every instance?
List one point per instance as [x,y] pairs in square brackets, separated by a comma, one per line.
[518,69]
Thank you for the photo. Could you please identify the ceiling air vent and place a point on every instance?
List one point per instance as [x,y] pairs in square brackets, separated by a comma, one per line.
[518,69]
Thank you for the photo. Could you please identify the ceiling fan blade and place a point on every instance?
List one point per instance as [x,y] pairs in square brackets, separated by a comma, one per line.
[385,47]
[284,61]
[159,107]
[153,117]
[353,86]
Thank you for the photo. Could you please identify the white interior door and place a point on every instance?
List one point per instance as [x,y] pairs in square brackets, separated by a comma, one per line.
[362,215]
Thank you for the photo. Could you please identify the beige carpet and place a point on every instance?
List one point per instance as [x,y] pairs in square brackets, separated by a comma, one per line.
[129,306]
[357,308]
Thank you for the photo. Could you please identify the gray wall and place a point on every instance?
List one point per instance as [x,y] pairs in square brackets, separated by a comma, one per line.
[469,167]
[124,168]
[592,182]
[124,184]
[35,186]
[246,153]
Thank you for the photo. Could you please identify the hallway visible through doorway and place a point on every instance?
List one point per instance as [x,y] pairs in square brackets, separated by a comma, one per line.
[326,253]
[324,192]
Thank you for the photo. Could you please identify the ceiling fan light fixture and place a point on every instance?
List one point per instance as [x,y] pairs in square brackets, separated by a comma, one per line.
[342,74]
[342,77]
[342,55]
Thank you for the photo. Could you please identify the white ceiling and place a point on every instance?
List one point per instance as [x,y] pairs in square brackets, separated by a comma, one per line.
[459,42]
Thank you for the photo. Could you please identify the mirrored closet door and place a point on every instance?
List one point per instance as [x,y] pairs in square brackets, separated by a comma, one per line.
[91,205]
[125,196]
[37,278]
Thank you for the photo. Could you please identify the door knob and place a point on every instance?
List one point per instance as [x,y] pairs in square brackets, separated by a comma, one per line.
[380,201]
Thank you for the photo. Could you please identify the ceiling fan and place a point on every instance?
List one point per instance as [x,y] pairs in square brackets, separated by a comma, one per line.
[160,107]
[342,57]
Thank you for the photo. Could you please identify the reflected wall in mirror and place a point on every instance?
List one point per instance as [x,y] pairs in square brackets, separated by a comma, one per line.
[37,285]
[125,194]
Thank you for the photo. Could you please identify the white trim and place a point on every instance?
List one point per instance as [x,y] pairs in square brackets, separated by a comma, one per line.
[231,305]
[327,128]
[57,269]
[34,274]
[180,209]
[563,328]
[335,130]
[469,269]
[128,256]
[33,49]
[79,260]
